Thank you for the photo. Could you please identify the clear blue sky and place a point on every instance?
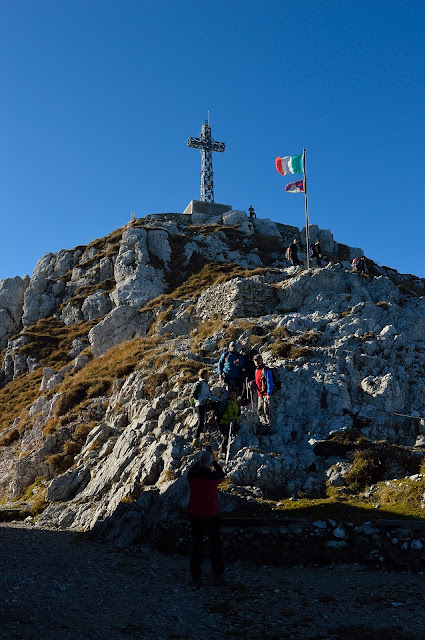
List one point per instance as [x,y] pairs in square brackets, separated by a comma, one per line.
[98,98]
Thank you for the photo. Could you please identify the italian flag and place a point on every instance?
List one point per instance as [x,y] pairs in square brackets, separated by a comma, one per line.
[290,164]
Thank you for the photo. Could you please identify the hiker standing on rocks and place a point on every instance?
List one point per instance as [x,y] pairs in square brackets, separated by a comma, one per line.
[230,367]
[204,477]
[317,253]
[248,371]
[203,400]
[293,253]
[264,384]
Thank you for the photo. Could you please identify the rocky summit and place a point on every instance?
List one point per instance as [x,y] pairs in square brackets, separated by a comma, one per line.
[102,345]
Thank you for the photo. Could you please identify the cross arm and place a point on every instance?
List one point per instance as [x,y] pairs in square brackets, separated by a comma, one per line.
[218,146]
[197,143]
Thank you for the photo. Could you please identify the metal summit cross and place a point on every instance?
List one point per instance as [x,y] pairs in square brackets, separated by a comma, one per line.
[207,145]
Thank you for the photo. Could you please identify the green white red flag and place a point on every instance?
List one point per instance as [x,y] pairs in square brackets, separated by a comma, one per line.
[290,164]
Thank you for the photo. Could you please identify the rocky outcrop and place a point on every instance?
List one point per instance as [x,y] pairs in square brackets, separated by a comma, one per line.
[137,281]
[349,351]
[120,325]
[12,292]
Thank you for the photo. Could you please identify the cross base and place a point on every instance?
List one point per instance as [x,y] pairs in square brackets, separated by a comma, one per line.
[209,208]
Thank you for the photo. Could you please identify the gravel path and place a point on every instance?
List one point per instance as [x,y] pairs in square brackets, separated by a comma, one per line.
[58,586]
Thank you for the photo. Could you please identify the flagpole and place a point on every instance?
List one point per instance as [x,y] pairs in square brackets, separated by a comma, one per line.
[307,226]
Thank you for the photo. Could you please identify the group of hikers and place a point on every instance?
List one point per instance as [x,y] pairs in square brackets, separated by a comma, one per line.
[315,253]
[246,380]
[245,376]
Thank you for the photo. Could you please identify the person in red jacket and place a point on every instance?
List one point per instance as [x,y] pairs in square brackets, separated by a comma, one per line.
[204,477]
[264,385]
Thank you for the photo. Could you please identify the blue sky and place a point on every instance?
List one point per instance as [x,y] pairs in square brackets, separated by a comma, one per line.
[98,98]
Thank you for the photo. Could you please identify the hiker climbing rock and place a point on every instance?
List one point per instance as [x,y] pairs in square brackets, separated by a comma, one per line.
[204,477]
[230,367]
[203,401]
[230,414]
[264,385]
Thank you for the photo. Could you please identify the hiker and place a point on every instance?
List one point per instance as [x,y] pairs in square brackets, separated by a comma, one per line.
[204,401]
[264,385]
[252,213]
[293,253]
[359,264]
[248,371]
[230,414]
[204,477]
[230,367]
[316,252]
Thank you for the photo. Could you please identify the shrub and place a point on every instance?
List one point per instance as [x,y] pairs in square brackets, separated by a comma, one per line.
[367,336]
[309,337]
[9,438]
[344,314]
[383,304]
[76,393]
[367,468]
[281,349]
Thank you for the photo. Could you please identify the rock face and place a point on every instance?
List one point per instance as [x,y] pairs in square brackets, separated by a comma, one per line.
[120,325]
[112,445]
[137,281]
[12,291]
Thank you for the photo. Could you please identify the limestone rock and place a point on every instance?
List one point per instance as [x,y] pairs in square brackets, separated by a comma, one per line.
[12,291]
[265,227]
[137,281]
[120,325]
[239,298]
[96,306]
[240,220]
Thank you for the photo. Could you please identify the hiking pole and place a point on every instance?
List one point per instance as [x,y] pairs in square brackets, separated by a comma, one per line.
[252,408]
[229,441]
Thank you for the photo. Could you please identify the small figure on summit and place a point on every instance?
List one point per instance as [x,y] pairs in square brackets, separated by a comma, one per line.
[316,252]
[252,213]
[292,253]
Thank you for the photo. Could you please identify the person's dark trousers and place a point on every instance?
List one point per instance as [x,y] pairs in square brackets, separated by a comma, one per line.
[233,383]
[201,410]
[201,419]
[212,527]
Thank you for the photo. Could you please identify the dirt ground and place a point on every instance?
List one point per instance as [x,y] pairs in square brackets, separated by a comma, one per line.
[60,586]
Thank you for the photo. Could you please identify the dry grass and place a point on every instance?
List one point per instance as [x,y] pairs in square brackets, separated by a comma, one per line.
[367,336]
[50,341]
[17,395]
[290,351]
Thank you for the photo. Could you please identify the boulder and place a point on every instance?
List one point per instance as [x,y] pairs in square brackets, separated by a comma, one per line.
[96,306]
[120,325]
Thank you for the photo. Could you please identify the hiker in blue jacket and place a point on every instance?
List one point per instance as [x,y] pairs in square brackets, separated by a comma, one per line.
[230,367]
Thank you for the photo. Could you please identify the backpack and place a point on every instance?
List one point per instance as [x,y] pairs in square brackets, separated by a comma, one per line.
[311,251]
[194,394]
[288,253]
[277,385]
